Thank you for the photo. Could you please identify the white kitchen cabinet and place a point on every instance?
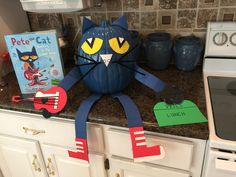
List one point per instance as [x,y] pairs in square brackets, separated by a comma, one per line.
[31,146]
[26,138]
[21,158]
[59,164]
[120,167]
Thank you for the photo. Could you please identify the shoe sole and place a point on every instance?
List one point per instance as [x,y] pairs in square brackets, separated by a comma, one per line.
[151,158]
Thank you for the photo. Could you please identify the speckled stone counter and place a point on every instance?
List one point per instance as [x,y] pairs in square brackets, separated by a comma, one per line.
[109,111]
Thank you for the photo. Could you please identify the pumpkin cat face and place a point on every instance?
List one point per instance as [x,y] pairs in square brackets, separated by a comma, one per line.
[106,48]
[106,42]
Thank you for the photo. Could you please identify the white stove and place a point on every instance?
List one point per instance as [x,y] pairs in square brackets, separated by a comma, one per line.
[219,73]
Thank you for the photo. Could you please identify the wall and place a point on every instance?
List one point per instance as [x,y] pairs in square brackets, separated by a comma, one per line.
[9,23]
[178,17]
[174,16]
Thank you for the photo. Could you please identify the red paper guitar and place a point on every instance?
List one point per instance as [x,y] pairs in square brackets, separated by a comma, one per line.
[53,100]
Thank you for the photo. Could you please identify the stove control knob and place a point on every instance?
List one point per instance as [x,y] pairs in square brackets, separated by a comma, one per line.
[233,39]
[220,38]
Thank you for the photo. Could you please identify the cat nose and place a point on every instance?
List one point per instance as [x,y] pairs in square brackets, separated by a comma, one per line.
[106,58]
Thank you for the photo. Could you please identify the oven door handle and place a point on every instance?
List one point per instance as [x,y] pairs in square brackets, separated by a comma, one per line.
[226,165]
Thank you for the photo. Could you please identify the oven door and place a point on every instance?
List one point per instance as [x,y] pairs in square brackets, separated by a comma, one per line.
[220,163]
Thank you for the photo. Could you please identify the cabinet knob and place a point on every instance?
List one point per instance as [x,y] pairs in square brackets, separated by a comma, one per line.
[35,163]
[50,167]
[33,131]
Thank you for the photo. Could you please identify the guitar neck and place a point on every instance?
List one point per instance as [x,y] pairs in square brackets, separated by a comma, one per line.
[46,95]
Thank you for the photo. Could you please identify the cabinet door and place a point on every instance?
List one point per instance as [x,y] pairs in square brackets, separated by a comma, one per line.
[120,167]
[21,158]
[59,164]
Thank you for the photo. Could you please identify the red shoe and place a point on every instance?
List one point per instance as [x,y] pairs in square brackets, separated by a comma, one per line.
[82,150]
[140,150]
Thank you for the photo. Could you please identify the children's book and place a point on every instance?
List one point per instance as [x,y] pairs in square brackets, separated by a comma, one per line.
[36,60]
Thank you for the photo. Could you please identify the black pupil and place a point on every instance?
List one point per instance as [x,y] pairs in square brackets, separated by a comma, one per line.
[90,43]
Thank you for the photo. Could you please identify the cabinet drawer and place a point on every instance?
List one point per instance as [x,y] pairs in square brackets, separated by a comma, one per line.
[53,131]
[178,153]
[125,168]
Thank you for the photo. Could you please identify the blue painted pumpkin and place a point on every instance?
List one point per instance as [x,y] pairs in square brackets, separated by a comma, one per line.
[103,54]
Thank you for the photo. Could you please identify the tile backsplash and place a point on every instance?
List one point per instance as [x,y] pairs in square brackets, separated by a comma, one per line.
[178,17]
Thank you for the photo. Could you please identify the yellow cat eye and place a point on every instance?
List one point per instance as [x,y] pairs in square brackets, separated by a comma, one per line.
[119,45]
[34,57]
[26,57]
[92,45]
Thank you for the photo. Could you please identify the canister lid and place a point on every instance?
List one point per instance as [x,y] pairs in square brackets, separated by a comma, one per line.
[159,36]
[188,40]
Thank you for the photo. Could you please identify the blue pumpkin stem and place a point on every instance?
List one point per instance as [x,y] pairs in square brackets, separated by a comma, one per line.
[105,23]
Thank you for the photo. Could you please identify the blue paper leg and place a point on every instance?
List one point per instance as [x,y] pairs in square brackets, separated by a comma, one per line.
[131,110]
[141,152]
[80,128]
[82,115]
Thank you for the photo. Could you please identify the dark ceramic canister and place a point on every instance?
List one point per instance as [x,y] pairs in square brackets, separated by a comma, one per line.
[187,51]
[158,50]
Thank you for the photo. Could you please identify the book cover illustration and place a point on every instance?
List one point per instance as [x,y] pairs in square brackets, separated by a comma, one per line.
[36,60]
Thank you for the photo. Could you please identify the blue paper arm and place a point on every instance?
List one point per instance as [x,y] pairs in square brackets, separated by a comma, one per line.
[149,80]
[71,78]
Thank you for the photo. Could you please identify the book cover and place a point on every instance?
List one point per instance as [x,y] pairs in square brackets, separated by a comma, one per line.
[36,60]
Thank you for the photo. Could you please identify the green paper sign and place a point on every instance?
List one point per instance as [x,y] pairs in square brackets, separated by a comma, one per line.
[185,113]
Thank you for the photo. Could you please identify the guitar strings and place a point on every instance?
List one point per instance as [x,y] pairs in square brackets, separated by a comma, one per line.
[40,102]
[32,98]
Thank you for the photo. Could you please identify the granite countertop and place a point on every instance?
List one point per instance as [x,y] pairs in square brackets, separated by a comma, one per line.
[109,111]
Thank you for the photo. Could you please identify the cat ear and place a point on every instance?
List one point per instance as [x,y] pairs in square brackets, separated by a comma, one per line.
[121,22]
[18,52]
[87,24]
[34,50]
